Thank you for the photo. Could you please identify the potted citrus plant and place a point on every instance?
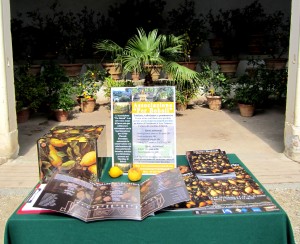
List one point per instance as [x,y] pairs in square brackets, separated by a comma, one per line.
[30,92]
[88,84]
[225,31]
[217,88]
[183,20]
[277,40]
[63,101]
[249,93]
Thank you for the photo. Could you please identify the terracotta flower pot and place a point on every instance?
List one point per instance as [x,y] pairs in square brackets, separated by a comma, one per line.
[246,110]
[273,63]
[72,69]
[113,69]
[23,115]
[88,106]
[181,106]
[228,67]
[61,115]
[214,102]
[189,64]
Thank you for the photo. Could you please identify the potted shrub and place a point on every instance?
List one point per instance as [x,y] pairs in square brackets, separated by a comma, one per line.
[63,101]
[225,28]
[30,92]
[249,92]
[217,88]
[88,84]
[277,40]
[254,27]
[109,82]
[183,20]
[53,76]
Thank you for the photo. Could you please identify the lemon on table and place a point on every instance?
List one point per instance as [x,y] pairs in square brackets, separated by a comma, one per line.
[135,174]
[115,172]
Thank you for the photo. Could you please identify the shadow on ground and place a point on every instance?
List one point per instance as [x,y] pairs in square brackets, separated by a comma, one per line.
[267,124]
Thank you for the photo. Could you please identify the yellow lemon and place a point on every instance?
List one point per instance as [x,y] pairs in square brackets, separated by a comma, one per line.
[135,174]
[88,159]
[55,159]
[93,169]
[115,172]
[57,142]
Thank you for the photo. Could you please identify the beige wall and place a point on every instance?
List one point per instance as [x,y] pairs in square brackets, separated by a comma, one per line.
[9,147]
[292,121]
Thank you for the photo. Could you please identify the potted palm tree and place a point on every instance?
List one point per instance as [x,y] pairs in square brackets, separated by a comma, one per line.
[109,47]
[148,53]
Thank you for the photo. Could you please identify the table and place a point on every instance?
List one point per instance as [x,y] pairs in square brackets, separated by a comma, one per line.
[164,227]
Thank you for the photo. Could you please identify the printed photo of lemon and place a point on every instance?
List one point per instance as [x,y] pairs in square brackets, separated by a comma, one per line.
[115,172]
[135,174]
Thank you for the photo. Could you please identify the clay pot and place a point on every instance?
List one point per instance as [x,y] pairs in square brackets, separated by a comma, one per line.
[275,63]
[23,115]
[113,69]
[189,64]
[246,110]
[88,106]
[72,69]
[61,115]
[228,67]
[214,102]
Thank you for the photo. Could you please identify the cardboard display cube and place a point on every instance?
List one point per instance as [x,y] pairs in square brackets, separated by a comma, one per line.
[79,151]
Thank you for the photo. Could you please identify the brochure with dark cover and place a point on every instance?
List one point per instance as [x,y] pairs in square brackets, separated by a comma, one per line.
[241,194]
[117,200]
[210,164]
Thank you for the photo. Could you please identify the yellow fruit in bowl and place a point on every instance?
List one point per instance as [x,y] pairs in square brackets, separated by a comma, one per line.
[115,172]
[135,174]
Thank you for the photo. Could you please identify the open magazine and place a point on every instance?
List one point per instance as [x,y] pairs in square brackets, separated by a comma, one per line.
[116,200]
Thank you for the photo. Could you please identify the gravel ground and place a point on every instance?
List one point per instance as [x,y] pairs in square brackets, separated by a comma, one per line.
[288,196]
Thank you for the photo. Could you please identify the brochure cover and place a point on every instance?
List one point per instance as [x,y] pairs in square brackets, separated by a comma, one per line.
[210,164]
[224,196]
[117,200]
[143,128]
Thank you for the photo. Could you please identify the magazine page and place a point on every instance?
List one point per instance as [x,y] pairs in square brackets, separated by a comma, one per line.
[162,190]
[117,200]
[90,201]
[198,196]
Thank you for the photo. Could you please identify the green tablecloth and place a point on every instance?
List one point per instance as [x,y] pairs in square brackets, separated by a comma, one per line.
[164,227]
